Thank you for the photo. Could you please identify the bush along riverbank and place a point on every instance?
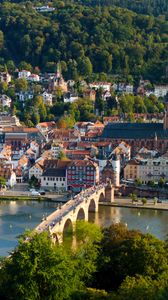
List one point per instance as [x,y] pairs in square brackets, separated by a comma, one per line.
[24,198]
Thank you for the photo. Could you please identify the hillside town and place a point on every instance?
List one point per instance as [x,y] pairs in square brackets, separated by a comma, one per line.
[59,159]
[84,150]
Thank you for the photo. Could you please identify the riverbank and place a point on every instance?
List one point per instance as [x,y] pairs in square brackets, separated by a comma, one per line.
[55,198]
[125,202]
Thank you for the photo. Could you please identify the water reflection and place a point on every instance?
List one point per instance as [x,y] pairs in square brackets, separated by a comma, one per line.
[15,217]
[151,221]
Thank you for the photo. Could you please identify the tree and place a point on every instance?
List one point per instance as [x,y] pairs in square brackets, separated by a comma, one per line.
[138,182]
[61,124]
[72,72]
[139,288]
[33,181]
[11,66]
[161,182]
[35,117]
[85,67]
[125,253]
[38,270]
[144,287]
[1,40]
[88,237]
[3,87]
[61,155]
[133,197]
[144,201]
[2,182]
[25,66]
[21,85]
[151,183]
[40,107]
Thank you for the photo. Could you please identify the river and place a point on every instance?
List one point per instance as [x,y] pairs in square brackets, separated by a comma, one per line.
[15,217]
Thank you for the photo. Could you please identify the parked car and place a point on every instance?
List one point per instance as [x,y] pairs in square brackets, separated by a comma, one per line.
[42,192]
[159,201]
[35,193]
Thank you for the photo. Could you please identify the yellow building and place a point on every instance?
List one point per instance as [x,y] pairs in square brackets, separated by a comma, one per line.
[131,170]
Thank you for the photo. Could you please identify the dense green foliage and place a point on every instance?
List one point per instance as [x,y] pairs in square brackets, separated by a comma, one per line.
[151,7]
[84,109]
[85,39]
[115,264]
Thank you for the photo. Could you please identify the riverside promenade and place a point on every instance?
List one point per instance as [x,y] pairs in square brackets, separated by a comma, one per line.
[127,202]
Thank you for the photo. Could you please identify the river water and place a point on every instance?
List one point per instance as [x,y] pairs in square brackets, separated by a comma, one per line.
[16,217]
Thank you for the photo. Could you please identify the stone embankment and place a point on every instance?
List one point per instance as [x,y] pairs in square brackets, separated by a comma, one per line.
[127,202]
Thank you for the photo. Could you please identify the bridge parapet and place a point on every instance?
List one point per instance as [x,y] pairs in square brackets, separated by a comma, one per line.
[76,209]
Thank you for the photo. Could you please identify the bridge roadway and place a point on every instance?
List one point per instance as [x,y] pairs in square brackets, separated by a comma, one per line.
[76,209]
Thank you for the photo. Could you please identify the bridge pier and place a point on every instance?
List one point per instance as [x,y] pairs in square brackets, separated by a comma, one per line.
[109,192]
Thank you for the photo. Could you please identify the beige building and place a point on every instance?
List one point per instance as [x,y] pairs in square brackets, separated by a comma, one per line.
[37,169]
[56,148]
[153,169]
[147,169]
[131,170]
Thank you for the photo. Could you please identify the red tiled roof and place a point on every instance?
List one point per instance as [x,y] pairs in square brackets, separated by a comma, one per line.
[20,129]
[46,124]
[77,152]
[83,163]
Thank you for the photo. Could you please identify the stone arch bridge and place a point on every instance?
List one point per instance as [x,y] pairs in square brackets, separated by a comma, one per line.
[76,209]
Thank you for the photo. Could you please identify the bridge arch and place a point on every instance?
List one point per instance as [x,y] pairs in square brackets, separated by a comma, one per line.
[55,238]
[67,227]
[92,206]
[101,197]
[80,214]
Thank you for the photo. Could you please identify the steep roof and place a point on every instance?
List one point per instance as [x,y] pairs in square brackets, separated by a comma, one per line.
[55,163]
[134,130]
[59,172]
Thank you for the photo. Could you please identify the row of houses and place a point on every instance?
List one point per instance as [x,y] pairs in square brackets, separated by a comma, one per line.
[65,174]
[55,81]
[147,169]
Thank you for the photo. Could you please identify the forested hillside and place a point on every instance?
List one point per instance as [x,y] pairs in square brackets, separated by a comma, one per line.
[151,7]
[85,39]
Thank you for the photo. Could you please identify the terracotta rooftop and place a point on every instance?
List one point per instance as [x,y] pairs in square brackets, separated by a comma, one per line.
[83,163]
[46,124]
[56,163]
[20,129]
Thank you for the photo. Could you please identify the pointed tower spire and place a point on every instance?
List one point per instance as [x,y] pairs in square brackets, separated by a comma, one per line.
[165,121]
[58,72]
[155,141]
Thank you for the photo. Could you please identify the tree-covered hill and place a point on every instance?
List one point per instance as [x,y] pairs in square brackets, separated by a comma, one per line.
[151,7]
[111,40]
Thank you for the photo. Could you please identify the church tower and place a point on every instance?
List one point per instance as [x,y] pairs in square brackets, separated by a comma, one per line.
[165,121]
[58,72]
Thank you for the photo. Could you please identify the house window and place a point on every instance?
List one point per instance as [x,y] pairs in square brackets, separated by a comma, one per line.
[57,179]
[44,178]
[63,179]
[46,183]
[60,179]
[62,184]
